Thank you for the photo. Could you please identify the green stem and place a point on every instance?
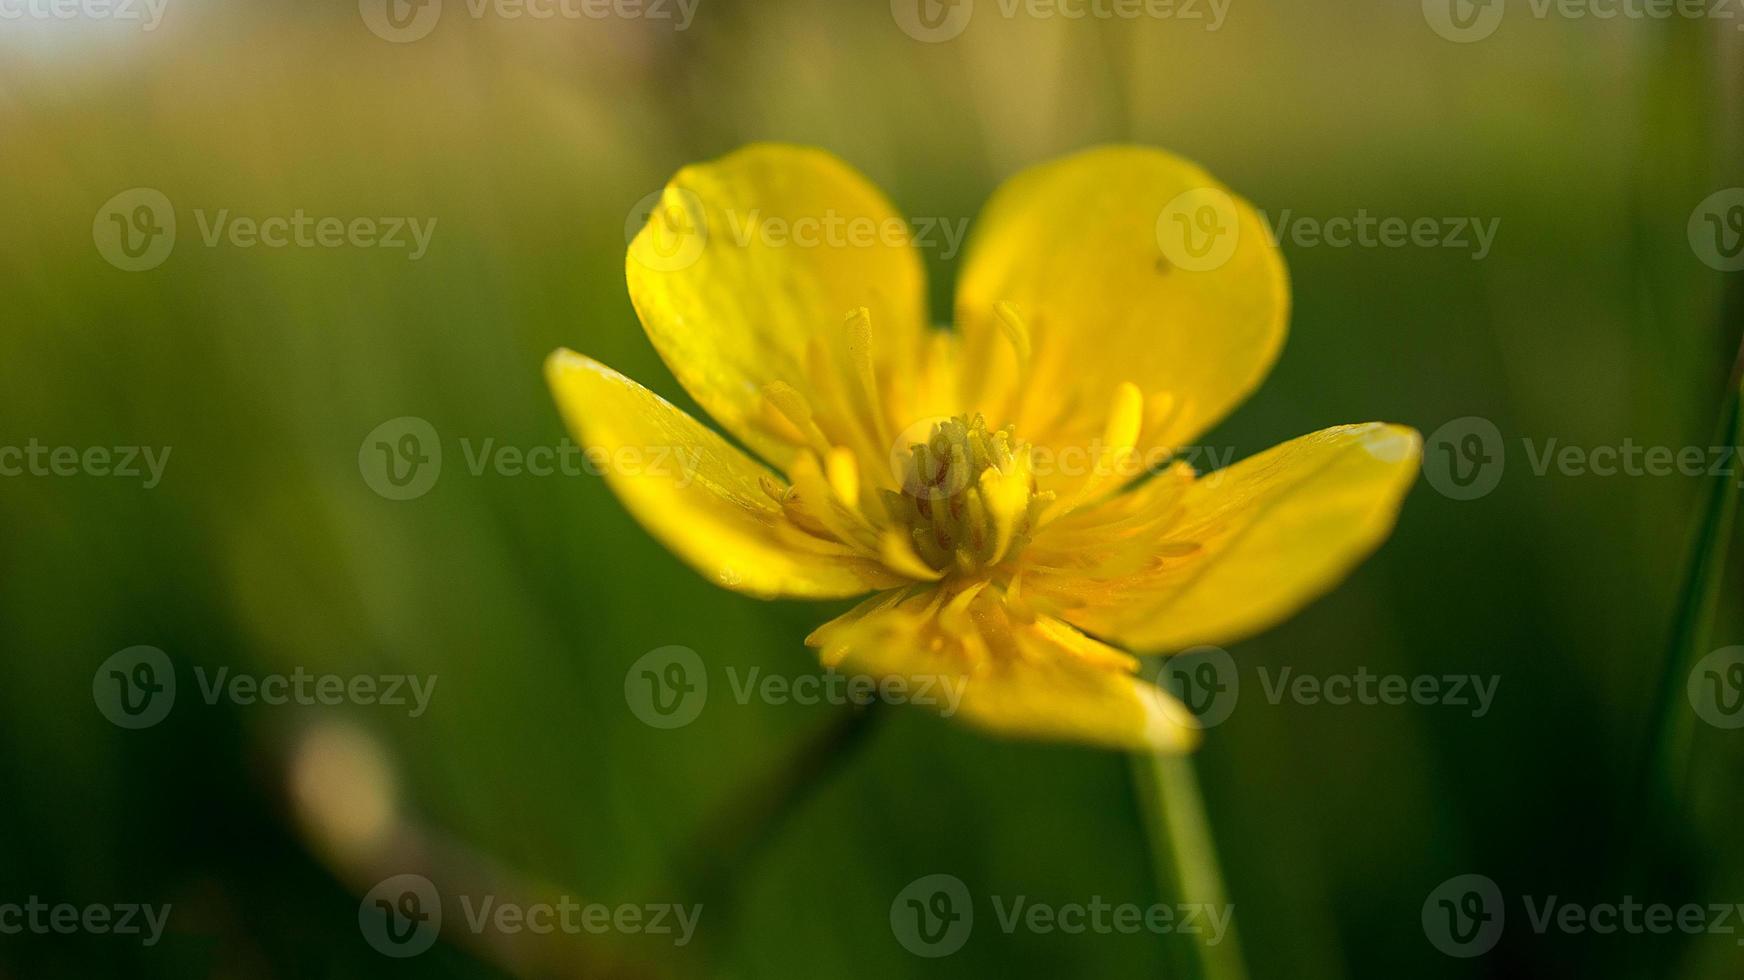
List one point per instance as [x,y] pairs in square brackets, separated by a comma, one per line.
[1686,74]
[1672,731]
[1185,859]
[731,842]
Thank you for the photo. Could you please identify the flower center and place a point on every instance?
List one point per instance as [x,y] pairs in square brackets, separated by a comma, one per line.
[968,497]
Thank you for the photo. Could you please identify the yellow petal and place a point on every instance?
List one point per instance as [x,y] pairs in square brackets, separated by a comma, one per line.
[1093,254]
[1231,553]
[1039,679]
[748,258]
[702,497]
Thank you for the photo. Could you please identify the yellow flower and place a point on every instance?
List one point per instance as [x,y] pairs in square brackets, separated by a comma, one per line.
[990,484]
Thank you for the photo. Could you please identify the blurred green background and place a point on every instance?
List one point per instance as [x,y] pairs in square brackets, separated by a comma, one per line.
[531,143]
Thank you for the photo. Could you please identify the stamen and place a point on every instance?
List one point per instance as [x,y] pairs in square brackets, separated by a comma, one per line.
[1016,331]
[816,499]
[844,476]
[1124,419]
[898,555]
[955,616]
[841,413]
[858,327]
[1113,468]
[786,403]
[968,495]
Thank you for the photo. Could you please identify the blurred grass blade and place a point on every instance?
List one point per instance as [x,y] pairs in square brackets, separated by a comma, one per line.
[1184,858]
[1672,731]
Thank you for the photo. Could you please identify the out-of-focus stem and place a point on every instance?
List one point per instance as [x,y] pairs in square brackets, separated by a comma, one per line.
[731,841]
[1185,859]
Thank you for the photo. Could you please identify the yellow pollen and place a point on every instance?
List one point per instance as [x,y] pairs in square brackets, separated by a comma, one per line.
[968,497]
